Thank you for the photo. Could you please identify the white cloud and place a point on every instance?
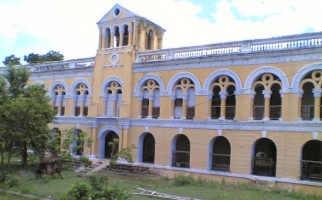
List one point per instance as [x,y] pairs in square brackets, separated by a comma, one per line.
[70,26]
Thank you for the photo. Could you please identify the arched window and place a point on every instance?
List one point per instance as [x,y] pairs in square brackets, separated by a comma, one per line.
[311,163]
[112,99]
[126,36]
[150,38]
[116,37]
[223,100]
[184,99]
[267,98]
[220,154]
[150,102]
[264,157]
[107,38]
[81,100]
[181,152]
[59,101]
[311,90]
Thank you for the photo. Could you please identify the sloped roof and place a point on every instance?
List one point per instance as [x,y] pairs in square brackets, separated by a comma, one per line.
[129,14]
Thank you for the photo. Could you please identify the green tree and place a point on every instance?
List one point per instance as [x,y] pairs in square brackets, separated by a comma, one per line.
[25,114]
[33,58]
[68,138]
[11,60]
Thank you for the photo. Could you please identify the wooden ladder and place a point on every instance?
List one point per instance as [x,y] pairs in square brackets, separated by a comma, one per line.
[159,195]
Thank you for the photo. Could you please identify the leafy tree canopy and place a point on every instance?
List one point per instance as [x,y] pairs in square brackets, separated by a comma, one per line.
[33,58]
[25,113]
[11,60]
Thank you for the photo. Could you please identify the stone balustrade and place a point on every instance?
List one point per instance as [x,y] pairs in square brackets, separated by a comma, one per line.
[305,40]
[58,65]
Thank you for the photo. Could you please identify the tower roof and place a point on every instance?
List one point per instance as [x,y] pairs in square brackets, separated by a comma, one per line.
[118,12]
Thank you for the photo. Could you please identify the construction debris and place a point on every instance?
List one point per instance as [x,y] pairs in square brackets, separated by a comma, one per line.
[159,195]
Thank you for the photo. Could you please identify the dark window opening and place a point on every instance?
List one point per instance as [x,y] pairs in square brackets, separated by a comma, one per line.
[259,103]
[221,154]
[307,106]
[230,103]
[85,111]
[145,108]
[275,103]
[77,111]
[264,160]
[126,36]
[109,151]
[181,154]
[148,148]
[311,163]
[215,103]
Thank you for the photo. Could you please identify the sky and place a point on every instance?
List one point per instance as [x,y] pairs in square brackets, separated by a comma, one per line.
[69,26]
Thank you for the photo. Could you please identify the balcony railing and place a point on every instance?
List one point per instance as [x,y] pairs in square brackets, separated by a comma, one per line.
[311,170]
[215,112]
[145,111]
[264,166]
[190,112]
[181,159]
[275,112]
[220,162]
[307,112]
[258,113]
[271,44]
[155,112]
[230,112]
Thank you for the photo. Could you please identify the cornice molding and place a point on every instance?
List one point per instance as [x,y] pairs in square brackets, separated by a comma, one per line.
[126,123]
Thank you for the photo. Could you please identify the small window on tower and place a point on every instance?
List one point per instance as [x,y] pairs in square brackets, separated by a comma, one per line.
[116,12]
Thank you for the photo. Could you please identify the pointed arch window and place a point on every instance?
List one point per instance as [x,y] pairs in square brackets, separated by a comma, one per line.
[150,100]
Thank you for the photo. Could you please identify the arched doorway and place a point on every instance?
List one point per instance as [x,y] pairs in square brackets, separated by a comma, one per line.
[148,148]
[311,163]
[264,157]
[220,151]
[181,151]
[109,150]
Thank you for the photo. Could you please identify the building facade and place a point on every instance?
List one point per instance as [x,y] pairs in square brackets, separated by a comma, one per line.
[240,110]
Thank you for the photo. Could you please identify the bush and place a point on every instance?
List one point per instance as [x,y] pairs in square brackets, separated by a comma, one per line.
[80,190]
[86,161]
[11,180]
[180,180]
[96,187]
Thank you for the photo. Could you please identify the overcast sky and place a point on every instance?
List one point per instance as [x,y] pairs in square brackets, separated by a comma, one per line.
[69,26]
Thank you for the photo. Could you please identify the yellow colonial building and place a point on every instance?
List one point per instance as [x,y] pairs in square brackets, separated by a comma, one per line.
[244,110]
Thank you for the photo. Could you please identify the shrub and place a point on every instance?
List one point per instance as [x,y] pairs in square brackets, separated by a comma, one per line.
[180,180]
[80,191]
[96,187]
[11,181]
[86,161]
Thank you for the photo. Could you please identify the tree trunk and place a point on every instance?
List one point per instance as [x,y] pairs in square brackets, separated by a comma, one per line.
[24,154]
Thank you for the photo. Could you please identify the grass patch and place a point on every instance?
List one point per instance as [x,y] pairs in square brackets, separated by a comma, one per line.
[181,185]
